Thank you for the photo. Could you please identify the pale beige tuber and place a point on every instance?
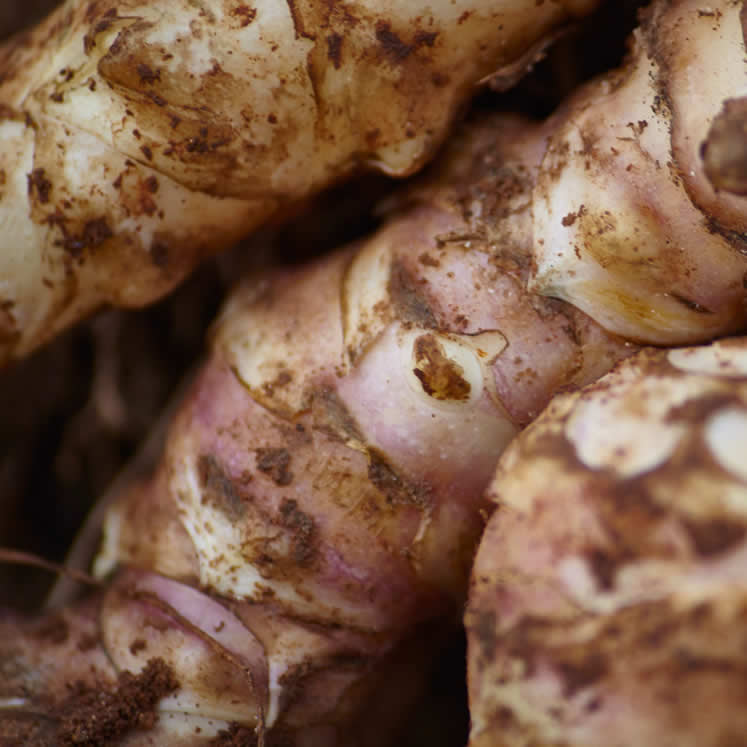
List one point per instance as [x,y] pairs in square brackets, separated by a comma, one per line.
[138,137]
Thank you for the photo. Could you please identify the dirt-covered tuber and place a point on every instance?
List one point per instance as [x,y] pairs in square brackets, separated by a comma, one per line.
[140,136]
[317,506]
[310,528]
[609,593]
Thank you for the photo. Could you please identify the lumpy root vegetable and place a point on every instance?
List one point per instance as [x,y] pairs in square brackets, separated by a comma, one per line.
[319,499]
[629,225]
[609,592]
[140,136]
[312,522]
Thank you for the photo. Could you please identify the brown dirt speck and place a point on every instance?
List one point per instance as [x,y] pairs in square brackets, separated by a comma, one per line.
[276,464]
[245,14]
[303,529]
[334,49]
[396,489]
[39,185]
[392,45]
[235,736]
[147,74]
[218,489]
[571,218]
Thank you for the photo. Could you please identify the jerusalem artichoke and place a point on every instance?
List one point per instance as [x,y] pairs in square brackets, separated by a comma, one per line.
[140,136]
[318,501]
[609,591]
[321,492]
[628,226]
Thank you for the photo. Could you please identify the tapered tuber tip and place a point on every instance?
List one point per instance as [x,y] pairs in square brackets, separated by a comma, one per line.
[724,151]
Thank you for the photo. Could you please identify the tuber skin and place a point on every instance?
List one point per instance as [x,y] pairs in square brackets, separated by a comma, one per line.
[312,522]
[609,591]
[138,137]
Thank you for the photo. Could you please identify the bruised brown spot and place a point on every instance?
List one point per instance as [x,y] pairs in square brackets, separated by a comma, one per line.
[218,489]
[302,528]
[440,377]
[276,464]
[103,715]
[715,536]
[39,184]
[410,304]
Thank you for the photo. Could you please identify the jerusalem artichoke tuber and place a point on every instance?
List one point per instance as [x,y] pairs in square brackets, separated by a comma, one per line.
[321,491]
[628,226]
[140,136]
[318,501]
[608,594]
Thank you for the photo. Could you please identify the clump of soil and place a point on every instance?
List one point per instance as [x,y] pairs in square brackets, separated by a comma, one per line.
[90,718]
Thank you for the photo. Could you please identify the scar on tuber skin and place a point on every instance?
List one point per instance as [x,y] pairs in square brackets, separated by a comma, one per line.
[724,151]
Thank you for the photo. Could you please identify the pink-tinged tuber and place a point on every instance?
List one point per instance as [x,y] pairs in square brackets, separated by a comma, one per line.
[310,529]
[630,225]
[609,592]
[312,522]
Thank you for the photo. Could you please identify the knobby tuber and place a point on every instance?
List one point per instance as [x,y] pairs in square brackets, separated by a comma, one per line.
[609,591]
[629,226]
[311,525]
[140,136]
